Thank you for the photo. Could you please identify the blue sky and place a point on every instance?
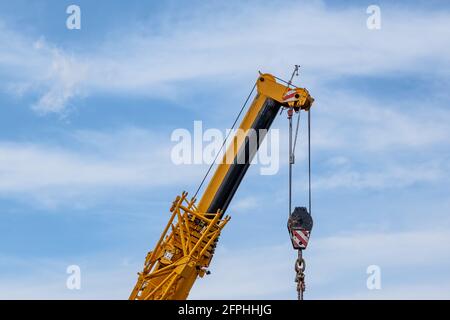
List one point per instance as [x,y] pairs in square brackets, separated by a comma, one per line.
[86,118]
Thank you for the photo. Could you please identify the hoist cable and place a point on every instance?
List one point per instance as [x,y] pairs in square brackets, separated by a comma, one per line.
[226,138]
[296,133]
[291,148]
[286,82]
[290,166]
[292,156]
[300,263]
[309,160]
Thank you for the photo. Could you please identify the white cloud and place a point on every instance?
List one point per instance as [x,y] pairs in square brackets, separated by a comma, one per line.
[436,290]
[102,277]
[37,66]
[343,119]
[397,176]
[64,78]
[230,43]
[131,158]
[360,142]
[245,204]
[336,268]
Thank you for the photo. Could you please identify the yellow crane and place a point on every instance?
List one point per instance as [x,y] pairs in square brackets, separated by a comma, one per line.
[185,249]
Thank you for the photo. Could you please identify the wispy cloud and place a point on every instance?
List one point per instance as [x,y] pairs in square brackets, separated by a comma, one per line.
[329,43]
[348,119]
[64,77]
[389,177]
[102,277]
[361,140]
[245,204]
[131,158]
[336,268]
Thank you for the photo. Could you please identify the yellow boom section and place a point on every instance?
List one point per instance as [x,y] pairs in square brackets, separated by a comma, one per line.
[186,246]
[267,87]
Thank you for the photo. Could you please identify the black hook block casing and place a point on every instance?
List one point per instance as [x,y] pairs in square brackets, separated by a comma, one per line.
[300,224]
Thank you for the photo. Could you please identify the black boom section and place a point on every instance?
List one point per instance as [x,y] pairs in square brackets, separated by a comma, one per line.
[243,158]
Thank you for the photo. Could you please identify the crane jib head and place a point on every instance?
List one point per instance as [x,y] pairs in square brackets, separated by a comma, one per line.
[296,98]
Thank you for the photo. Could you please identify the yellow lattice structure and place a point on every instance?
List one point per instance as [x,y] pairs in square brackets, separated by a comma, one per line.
[182,253]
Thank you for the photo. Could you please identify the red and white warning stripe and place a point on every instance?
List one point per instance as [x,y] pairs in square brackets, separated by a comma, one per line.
[290,96]
[300,238]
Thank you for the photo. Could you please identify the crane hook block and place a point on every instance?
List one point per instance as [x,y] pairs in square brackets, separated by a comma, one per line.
[300,224]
